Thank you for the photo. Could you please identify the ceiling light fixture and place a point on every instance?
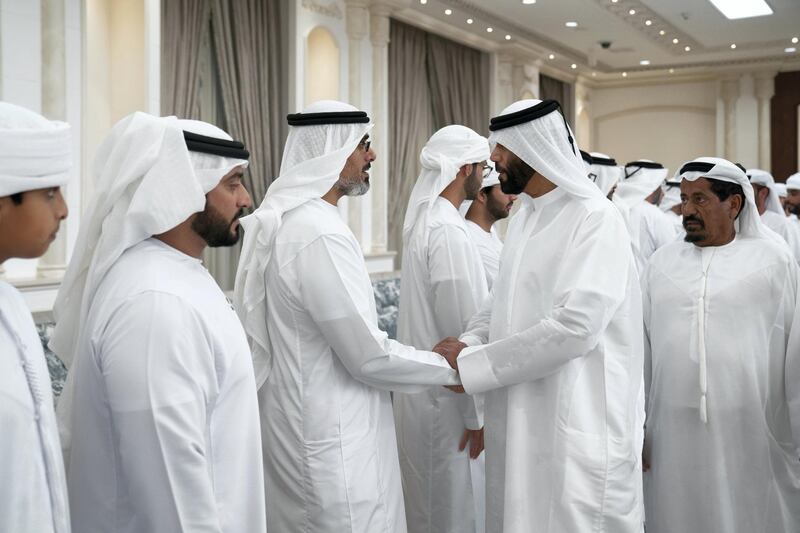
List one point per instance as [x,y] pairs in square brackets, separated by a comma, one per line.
[687,48]
[489,29]
[662,32]
[675,40]
[790,50]
[571,24]
[742,9]
[624,74]
[423,2]
[631,12]
[648,22]
[551,56]
[528,2]
[733,46]
[594,74]
[470,21]
[573,66]
[671,71]
[795,40]
[448,11]
[508,37]
[644,62]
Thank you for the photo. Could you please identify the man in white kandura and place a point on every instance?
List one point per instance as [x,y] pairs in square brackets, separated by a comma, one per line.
[769,207]
[557,346]
[160,404]
[605,173]
[443,285]
[490,205]
[324,368]
[35,160]
[635,197]
[792,202]
[722,366]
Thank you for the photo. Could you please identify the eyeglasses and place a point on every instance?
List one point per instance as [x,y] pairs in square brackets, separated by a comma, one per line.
[487,169]
[365,145]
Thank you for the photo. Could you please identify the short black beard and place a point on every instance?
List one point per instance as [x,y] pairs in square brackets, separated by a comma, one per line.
[793,209]
[214,229]
[518,173]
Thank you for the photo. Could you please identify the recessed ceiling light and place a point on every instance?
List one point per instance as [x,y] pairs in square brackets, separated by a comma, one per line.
[675,40]
[470,21]
[631,12]
[448,11]
[508,37]
[624,74]
[573,66]
[662,32]
[614,1]
[644,62]
[423,2]
[687,48]
[551,56]
[489,29]
[795,40]
[672,70]
[733,46]
[571,24]
[648,22]
[790,50]
[742,9]
[594,74]
[528,1]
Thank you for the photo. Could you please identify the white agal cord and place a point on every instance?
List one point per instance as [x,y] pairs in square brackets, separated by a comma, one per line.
[701,337]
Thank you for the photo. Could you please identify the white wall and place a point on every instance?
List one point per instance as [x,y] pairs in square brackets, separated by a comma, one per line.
[668,122]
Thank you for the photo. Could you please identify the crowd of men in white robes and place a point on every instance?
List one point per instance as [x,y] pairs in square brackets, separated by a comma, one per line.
[629,355]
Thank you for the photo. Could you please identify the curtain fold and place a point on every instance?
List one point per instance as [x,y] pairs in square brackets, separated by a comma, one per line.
[553,89]
[184,24]
[433,82]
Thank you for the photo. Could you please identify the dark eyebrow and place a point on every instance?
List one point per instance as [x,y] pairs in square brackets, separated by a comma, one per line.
[365,138]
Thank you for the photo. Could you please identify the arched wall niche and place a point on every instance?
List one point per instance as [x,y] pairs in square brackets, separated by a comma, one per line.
[323,66]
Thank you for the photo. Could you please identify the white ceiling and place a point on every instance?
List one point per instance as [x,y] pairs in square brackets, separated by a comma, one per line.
[695,23]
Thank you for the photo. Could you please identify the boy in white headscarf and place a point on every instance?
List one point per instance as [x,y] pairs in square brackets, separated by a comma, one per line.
[557,346]
[324,368]
[35,160]
[443,285]
[722,366]
[767,198]
[160,410]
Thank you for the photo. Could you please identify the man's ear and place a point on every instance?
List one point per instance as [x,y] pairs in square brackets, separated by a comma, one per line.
[736,205]
[465,170]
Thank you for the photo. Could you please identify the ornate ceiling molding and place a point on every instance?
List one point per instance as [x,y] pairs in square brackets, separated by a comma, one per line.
[621,10]
[329,10]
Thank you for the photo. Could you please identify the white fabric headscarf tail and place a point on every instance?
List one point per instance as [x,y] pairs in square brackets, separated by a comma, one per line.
[313,158]
[607,172]
[780,188]
[441,158]
[672,192]
[765,179]
[146,182]
[543,144]
[639,183]
[35,152]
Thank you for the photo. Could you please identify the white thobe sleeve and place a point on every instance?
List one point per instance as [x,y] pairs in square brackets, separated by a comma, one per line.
[456,297]
[477,331]
[792,363]
[333,290]
[590,288]
[160,380]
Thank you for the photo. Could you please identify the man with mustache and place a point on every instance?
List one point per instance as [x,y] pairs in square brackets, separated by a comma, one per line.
[557,346]
[722,369]
[35,161]
[439,432]
[324,367]
[160,410]
[792,203]
[490,205]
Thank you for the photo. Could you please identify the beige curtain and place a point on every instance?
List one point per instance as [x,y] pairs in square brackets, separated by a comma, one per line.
[433,82]
[553,89]
[184,24]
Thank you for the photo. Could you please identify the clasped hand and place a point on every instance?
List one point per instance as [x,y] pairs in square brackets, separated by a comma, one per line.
[449,348]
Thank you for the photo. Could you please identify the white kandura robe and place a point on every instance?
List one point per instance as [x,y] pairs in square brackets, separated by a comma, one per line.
[442,285]
[330,450]
[781,225]
[738,473]
[489,246]
[165,434]
[563,371]
[650,229]
[33,490]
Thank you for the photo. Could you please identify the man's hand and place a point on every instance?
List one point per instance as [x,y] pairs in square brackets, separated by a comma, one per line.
[475,439]
[449,348]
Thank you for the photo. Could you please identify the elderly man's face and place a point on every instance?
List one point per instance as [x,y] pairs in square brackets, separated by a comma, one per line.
[514,172]
[708,221]
[218,223]
[354,177]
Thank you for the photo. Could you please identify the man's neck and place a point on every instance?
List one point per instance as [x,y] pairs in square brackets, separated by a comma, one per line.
[454,195]
[538,186]
[333,196]
[481,217]
[184,239]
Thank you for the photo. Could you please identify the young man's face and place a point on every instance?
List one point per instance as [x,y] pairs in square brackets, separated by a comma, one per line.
[218,223]
[28,228]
